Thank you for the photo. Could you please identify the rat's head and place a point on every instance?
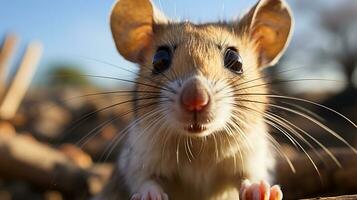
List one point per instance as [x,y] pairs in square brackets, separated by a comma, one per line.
[197,77]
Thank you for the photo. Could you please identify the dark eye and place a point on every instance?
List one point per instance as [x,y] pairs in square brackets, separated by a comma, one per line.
[233,61]
[161,60]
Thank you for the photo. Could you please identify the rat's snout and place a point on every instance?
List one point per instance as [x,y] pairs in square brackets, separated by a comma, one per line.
[194,96]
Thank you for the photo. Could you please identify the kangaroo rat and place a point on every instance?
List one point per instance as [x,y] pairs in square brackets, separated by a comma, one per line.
[195,134]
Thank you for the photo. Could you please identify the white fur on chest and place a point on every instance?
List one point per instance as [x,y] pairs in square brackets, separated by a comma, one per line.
[146,159]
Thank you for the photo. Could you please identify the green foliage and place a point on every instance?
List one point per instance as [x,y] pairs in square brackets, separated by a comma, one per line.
[67,75]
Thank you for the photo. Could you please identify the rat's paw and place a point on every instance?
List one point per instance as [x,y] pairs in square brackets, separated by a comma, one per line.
[259,191]
[150,192]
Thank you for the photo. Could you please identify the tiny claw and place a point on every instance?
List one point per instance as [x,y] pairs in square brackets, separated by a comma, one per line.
[259,191]
[276,193]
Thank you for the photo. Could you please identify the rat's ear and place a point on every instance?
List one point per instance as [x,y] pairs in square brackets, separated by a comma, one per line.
[132,23]
[270,24]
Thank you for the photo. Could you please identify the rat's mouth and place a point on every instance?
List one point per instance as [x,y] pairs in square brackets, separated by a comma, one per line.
[195,128]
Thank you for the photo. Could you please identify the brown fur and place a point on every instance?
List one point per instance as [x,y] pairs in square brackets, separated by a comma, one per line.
[216,171]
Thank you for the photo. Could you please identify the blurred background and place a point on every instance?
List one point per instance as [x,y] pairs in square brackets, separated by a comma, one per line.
[53,143]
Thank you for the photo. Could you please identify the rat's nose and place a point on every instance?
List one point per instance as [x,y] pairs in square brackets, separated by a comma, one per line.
[194,96]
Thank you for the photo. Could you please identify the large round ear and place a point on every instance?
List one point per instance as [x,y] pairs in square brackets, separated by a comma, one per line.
[269,23]
[132,24]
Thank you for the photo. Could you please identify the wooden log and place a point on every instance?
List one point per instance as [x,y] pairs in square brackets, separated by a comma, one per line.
[20,83]
[24,158]
[345,197]
[6,129]
[330,179]
[6,54]
[76,155]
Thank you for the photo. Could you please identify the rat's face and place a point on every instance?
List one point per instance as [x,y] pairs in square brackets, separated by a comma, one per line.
[202,69]
[196,77]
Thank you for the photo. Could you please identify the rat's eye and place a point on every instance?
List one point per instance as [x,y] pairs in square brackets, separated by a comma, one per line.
[233,61]
[161,60]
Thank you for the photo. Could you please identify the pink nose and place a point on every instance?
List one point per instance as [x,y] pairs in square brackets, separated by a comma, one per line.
[194,96]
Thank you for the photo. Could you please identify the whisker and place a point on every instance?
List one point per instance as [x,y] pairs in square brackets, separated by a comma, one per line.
[236,127]
[120,92]
[300,146]
[131,81]
[266,76]
[124,132]
[124,69]
[298,107]
[312,138]
[287,126]
[302,100]
[324,127]
[86,116]
[189,148]
[227,135]
[178,150]
[277,147]
[186,151]
[282,81]
[290,126]
[215,147]
[277,127]
[97,129]
[166,88]
[165,141]
[157,121]
[292,140]
[202,142]
[158,128]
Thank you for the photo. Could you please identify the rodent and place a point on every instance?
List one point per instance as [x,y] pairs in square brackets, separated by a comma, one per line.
[195,134]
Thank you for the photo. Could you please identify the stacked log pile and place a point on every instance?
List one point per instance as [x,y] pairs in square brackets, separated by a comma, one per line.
[37,160]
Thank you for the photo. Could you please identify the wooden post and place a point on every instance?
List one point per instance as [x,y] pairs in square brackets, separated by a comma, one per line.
[23,157]
[346,197]
[6,54]
[20,83]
